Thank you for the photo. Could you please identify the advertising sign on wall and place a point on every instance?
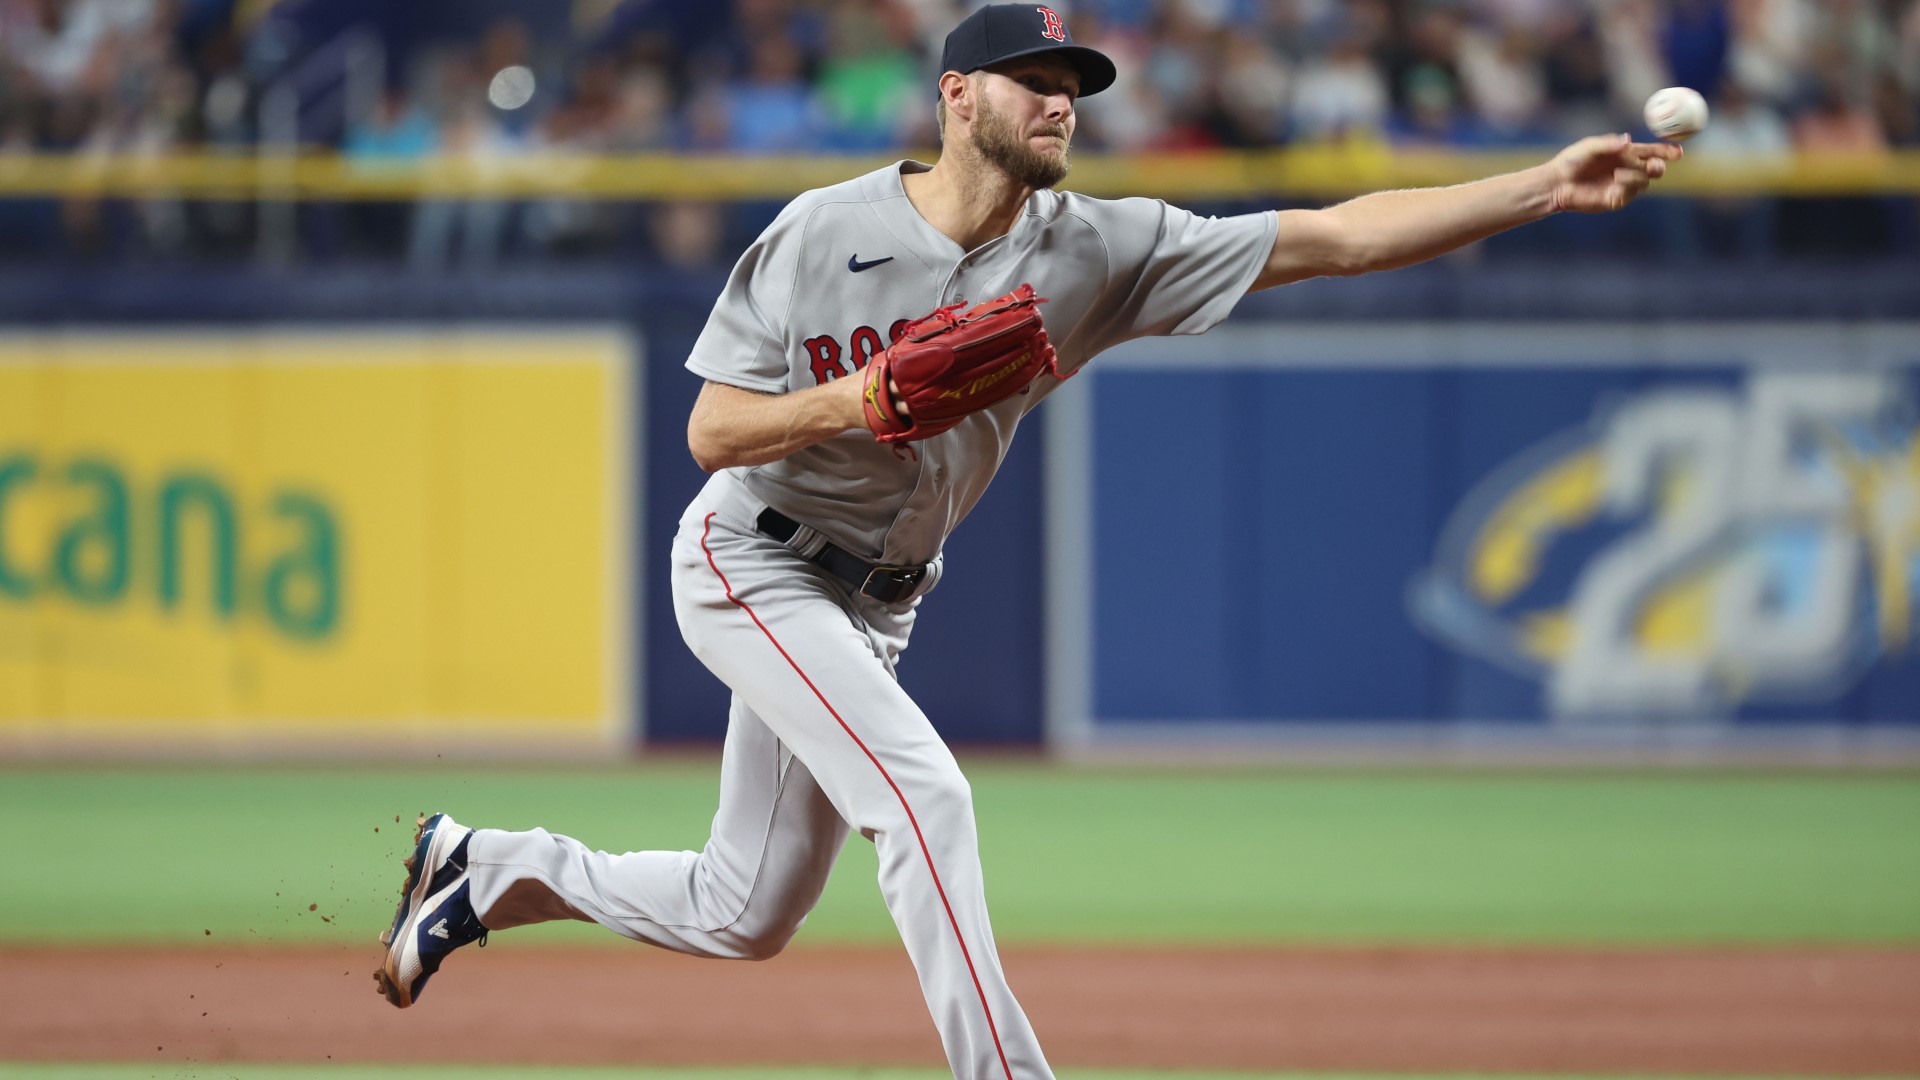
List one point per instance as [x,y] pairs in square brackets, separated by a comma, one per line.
[1714,547]
[314,534]
[1557,529]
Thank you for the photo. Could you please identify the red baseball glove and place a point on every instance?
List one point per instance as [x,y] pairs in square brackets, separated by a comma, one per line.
[948,366]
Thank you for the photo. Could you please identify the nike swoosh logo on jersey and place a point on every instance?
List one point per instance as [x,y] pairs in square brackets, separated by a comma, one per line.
[854,264]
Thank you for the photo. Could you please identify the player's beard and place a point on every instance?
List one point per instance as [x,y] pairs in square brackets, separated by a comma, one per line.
[1002,145]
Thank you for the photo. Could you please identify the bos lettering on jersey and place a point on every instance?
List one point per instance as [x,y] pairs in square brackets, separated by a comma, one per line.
[824,353]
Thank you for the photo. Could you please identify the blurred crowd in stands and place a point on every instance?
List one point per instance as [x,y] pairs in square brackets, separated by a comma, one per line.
[756,77]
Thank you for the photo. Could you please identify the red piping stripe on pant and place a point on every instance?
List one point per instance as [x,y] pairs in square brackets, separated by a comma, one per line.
[915,822]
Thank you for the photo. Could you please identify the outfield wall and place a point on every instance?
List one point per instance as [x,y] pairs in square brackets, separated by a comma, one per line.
[1381,510]
[233,534]
[1568,532]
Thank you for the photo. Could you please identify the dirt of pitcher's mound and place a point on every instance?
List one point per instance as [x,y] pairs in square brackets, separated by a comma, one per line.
[1746,1011]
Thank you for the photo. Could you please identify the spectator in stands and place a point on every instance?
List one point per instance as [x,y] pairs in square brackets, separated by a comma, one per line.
[687,235]
[467,230]
[1579,86]
[1636,65]
[1766,52]
[1253,85]
[779,76]
[771,108]
[148,113]
[1695,41]
[1339,94]
[1744,131]
[586,122]
[643,117]
[66,48]
[1897,109]
[1837,125]
[1431,117]
[1501,71]
[397,131]
[587,116]
[870,79]
[1743,128]
[1176,64]
[1836,121]
[1132,117]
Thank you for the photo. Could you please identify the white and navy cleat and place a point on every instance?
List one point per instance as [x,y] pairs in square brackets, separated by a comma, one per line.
[435,916]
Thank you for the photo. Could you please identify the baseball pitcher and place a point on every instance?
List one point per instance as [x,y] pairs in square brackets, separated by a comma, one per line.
[865,370]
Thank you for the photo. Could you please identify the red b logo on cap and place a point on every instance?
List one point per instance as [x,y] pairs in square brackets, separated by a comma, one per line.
[1053,29]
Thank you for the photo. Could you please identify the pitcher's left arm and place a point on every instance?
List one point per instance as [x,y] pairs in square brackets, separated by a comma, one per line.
[1391,229]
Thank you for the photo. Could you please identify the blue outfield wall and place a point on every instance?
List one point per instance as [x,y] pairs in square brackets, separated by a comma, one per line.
[1262,535]
[1428,542]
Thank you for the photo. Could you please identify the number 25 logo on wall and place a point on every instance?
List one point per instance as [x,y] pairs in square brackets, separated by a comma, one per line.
[1054,30]
[1708,547]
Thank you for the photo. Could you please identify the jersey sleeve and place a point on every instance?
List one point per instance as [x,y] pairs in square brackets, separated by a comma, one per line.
[744,341]
[1171,271]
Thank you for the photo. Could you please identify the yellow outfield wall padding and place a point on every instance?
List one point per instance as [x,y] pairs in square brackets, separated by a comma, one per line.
[313,534]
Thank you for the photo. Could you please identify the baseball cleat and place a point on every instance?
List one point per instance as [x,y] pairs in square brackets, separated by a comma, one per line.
[435,915]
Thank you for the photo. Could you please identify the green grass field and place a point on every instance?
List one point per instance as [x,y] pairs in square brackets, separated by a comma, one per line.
[1071,856]
[167,854]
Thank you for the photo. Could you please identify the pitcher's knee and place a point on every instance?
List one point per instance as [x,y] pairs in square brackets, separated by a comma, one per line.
[760,940]
[700,640]
[944,796]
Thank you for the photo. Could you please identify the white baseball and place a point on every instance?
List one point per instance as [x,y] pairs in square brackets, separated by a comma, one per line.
[1676,113]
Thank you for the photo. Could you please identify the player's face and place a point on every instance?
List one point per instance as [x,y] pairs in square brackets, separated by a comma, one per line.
[1024,120]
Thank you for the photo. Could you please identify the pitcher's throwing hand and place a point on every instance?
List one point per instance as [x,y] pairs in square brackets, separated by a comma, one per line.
[1606,172]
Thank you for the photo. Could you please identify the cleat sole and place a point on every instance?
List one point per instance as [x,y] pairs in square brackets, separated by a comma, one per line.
[413,891]
[385,983]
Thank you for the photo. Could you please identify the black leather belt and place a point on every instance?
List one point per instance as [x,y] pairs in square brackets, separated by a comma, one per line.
[886,583]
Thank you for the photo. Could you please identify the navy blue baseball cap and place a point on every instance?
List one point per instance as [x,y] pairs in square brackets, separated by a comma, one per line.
[1004,31]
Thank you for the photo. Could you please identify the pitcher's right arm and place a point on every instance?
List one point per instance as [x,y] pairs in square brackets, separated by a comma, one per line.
[731,426]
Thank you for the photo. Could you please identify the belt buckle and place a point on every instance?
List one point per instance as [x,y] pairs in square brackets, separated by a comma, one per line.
[891,584]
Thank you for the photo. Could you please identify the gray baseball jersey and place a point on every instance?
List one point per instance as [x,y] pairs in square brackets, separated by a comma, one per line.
[844,268]
[821,738]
